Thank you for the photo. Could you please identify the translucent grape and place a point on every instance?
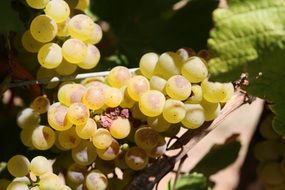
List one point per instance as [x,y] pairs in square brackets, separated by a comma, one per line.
[93,98]
[96,180]
[76,173]
[151,103]
[127,101]
[196,95]
[40,104]
[120,128]
[158,83]
[178,87]
[84,154]
[47,74]
[49,182]
[266,129]
[174,111]
[69,139]
[74,51]
[87,130]
[26,136]
[158,123]
[271,173]
[102,139]
[109,153]
[96,34]
[18,166]
[211,110]
[82,5]
[40,165]
[113,97]
[57,117]
[28,118]
[194,117]
[62,28]
[81,27]
[148,63]
[43,28]
[194,69]
[158,150]
[23,179]
[70,93]
[58,10]
[213,91]
[137,86]
[43,137]
[65,68]
[228,91]
[16,185]
[267,150]
[92,58]
[146,138]
[29,43]
[77,114]
[119,76]
[37,4]
[136,158]
[50,56]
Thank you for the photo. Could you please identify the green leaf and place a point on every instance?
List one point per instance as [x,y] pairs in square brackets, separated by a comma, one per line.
[249,36]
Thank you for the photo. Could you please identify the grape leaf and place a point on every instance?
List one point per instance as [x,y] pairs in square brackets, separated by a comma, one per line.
[249,36]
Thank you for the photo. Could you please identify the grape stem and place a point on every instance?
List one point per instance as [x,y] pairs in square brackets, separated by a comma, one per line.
[146,179]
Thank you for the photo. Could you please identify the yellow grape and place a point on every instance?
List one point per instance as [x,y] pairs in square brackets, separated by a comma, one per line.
[111,152]
[26,136]
[96,34]
[70,93]
[29,43]
[137,86]
[211,110]
[194,69]
[65,68]
[213,91]
[75,173]
[136,158]
[50,181]
[82,5]
[178,87]
[57,117]
[119,76]
[194,117]
[43,137]
[80,27]
[17,185]
[47,74]
[113,97]
[50,56]
[78,114]
[174,111]
[40,104]
[87,130]
[62,28]
[146,138]
[120,128]
[84,154]
[102,139]
[96,180]
[74,50]
[92,58]
[28,117]
[127,101]
[58,10]
[228,91]
[69,139]
[158,123]
[18,166]
[158,83]
[40,165]
[43,28]
[151,103]
[37,4]
[147,64]
[93,98]
[196,95]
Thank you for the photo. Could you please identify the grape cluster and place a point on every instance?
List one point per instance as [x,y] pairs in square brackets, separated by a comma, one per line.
[62,39]
[271,156]
[122,121]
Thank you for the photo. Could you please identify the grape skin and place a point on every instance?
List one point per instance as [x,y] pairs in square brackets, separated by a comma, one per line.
[84,154]
[151,103]
[43,137]
[136,158]
[120,128]
[58,10]
[18,166]
[50,55]
[40,165]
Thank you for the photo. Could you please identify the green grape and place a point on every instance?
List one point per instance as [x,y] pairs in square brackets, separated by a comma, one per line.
[113,97]
[93,98]
[158,83]
[127,101]
[18,166]
[84,154]
[102,139]
[80,27]
[195,69]
[47,74]
[92,57]
[120,128]
[196,95]
[26,135]
[28,118]
[111,152]
[76,173]
[211,110]
[74,51]
[69,139]
[96,34]
[70,93]
[40,165]
[119,76]
[169,64]
[43,137]
[174,111]
[78,114]
[37,4]
[137,114]
[213,91]
[271,173]
[194,117]
[137,85]
[178,87]
[96,180]
[65,68]
[43,28]
[50,56]
[158,123]
[147,64]
[35,188]
[158,150]
[23,179]
[266,129]
[136,158]
[58,10]
[4,183]
[146,138]
[29,43]
[82,5]
[151,103]
[40,104]
[57,117]
[16,185]
[62,28]
[87,130]
[50,181]
[228,91]
[267,150]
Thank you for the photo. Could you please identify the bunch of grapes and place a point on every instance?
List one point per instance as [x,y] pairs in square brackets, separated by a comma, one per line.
[121,122]
[271,156]
[62,39]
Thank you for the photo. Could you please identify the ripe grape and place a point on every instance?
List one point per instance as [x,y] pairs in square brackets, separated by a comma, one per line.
[151,103]
[178,87]
[158,150]
[213,91]
[80,27]
[127,101]
[102,139]
[40,104]
[70,93]
[113,97]
[211,110]
[96,180]
[96,34]
[76,173]
[50,56]
[174,111]
[65,68]
[87,130]
[74,50]
[62,28]
[111,152]
[69,139]
[194,117]
[120,128]
[84,154]
[18,166]
[50,181]
[137,86]
[146,138]
[57,117]
[40,165]
[17,185]
[29,43]
[147,64]
[158,123]
[58,10]
[37,4]
[77,114]
[82,5]
[158,83]
[228,91]
[194,69]
[93,98]
[92,58]
[196,95]
[136,158]
[119,76]
[43,137]
[28,118]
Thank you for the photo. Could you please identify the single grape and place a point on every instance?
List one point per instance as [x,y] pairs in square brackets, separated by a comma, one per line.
[58,10]
[113,97]
[84,154]
[267,150]
[74,50]
[158,123]
[120,128]
[78,114]
[37,4]
[65,68]
[137,85]
[50,55]
[147,64]
[102,139]
[80,27]
[62,28]
[28,118]
[174,111]
[119,76]
[69,139]
[96,180]
[158,150]
[82,5]
[213,91]
[109,153]
[92,57]
[57,117]
[43,137]
[94,98]
[18,166]
[40,165]
[40,104]
[87,130]
[211,110]
[158,83]
[194,69]
[136,158]
[70,93]
[178,87]
[146,138]
[151,103]
[26,136]
[29,43]
[196,95]
[194,117]
[228,91]
[96,34]
[76,173]
[16,185]
[50,181]
[127,101]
